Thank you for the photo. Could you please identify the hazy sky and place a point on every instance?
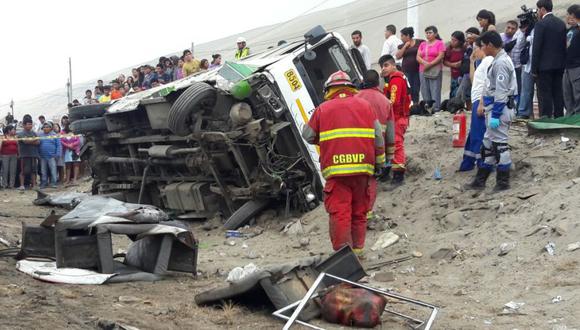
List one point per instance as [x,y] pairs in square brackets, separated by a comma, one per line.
[103,36]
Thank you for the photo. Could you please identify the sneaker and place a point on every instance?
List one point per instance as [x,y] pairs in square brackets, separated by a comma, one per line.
[54,186]
[21,188]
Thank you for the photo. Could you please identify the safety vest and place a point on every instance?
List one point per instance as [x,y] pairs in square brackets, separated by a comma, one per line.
[242,53]
[346,136]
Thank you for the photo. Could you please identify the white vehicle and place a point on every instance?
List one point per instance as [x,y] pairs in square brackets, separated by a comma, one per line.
[226,140]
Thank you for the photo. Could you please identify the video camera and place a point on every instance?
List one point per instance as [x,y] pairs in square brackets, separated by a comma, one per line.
[529,16]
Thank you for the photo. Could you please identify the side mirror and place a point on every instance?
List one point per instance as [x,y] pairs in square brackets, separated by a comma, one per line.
[315,34]
[309,55]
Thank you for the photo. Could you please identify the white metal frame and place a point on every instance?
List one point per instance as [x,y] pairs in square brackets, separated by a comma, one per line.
[299,305]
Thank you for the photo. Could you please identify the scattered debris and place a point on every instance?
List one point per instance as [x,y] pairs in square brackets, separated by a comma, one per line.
[460,292]
[505,248]
[293,228]
[230,242]
[304,241]
[527,195]
[237,274]
[444,254]
[380,264]
[550,248]
[512,307]
[252,255]
[573,246]
[556,299]
[384,277]
[5,242]
[437,174]
[48,272]
[540,228]
[385,240]
[128,299]
[250,232]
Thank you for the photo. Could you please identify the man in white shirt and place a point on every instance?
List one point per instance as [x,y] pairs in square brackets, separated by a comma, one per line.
[363,49]
[391,45]
[37,127]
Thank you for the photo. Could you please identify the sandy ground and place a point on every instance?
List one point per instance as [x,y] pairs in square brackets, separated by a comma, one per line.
[471,284]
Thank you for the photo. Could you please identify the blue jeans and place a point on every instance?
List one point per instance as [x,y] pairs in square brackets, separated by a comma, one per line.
[453,87]
[48,165]
[526,104]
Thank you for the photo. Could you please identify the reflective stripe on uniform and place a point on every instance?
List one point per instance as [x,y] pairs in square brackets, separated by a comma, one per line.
[399,166]
[348,169]
[341,133]
[380,159]
[472,154]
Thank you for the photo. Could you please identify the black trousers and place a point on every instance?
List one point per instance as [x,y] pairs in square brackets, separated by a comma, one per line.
[551,93]
[415,82]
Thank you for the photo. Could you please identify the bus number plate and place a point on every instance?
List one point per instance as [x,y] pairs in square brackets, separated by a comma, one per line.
[293,80]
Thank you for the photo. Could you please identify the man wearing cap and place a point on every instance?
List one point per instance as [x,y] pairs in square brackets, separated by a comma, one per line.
[243,50]
[351,144]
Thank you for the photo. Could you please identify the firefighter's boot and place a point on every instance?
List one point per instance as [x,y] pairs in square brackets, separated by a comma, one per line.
[480,178]
[502,181]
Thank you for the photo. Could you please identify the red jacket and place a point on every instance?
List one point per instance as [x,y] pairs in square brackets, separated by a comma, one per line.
[384,111]
[349,135]
[397,90]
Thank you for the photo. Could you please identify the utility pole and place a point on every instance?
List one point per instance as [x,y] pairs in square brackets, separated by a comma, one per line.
[68,93]
[413,14]
[192,48]
[70,80]
[12,108]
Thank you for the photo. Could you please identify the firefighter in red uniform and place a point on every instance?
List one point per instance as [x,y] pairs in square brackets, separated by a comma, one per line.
[383,108]
[397,90]
[351,148]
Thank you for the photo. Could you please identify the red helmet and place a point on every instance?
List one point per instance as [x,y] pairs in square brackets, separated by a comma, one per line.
[339,78]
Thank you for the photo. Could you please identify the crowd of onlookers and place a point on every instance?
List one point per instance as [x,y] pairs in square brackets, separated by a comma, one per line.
[146,76]
[544,51]
[42,149]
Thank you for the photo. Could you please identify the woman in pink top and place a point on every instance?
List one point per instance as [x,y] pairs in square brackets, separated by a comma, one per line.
[430,58]
[71,147]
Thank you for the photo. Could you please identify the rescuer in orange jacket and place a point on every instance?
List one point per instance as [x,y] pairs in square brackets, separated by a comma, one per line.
[351,147]
[397,90]
[372,93]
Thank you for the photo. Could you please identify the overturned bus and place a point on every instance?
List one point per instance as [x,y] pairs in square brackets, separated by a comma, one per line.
[226,140]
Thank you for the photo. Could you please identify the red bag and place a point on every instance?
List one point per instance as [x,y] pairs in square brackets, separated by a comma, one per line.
[353,306]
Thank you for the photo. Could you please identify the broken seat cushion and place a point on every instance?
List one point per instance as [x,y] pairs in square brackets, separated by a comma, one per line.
[353,306]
